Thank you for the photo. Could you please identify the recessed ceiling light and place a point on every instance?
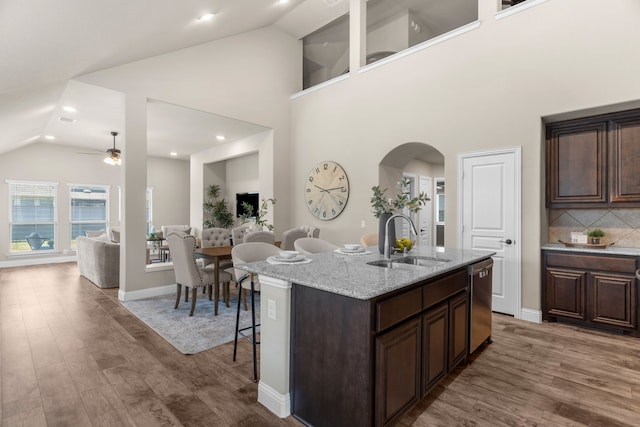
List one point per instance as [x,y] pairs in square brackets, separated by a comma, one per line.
[173,153]
[66,119]
[206,17]
[283,1]
[69,109]
[50,137]
[220,137]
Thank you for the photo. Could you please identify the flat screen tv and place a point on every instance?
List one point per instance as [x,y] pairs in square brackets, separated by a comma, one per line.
[250,198]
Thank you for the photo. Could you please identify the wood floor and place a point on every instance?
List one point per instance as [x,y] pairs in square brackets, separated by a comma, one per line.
[71,355]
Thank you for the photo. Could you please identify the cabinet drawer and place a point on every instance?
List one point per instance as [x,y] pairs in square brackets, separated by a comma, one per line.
[441,289]
[592,262]
[396,309]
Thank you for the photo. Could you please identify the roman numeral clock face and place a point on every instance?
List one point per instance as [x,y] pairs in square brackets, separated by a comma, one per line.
[327,190]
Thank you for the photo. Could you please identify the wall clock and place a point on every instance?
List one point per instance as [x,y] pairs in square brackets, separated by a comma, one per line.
[326,190]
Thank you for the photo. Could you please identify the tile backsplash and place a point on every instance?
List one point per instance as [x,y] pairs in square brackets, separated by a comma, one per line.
[621,226]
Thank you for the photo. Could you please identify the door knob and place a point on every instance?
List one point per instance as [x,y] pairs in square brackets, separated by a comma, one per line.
[507,242]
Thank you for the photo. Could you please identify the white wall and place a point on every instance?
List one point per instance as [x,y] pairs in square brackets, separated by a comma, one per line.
[242,177]
[247,77]
[170,181]
[489,88]
[63,164]
[54,163]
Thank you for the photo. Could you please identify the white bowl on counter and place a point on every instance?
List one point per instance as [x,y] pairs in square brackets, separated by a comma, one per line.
[288,254]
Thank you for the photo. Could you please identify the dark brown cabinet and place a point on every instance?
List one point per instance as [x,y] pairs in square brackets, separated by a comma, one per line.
[592,162]
[367,362]
[598,291]
[435,336]
[398,370]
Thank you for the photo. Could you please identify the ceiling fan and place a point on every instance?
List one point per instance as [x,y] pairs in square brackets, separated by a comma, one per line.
[114,154]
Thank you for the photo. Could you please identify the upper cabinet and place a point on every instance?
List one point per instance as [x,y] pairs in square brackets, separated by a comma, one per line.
[592,162]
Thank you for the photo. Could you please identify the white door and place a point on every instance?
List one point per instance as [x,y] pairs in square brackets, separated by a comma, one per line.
[490,214]
[425,227]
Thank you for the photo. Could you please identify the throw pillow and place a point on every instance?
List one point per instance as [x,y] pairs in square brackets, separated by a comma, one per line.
[91,233]
[103,237]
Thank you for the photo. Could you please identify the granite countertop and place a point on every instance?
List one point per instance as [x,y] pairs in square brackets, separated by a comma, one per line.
[351,276]
[609,250]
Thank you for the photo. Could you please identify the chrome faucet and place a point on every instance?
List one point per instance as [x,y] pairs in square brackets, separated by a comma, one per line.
[387,247]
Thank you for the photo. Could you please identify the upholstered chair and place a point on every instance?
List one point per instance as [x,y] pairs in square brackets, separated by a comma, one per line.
[242,254]
[237,233]
[312,230]
[188,273]
[311,245]
[369,239]
[213,237]
[290,236]
[260,236]
[180,229]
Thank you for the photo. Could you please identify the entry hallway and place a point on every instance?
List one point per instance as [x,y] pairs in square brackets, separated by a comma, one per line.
[71,355]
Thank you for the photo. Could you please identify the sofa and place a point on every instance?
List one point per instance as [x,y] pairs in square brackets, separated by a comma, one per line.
[99,260]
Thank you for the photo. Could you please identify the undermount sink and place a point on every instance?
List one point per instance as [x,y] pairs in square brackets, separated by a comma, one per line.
[408,261]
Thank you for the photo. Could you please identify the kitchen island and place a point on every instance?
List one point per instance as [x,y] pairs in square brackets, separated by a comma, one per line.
[344,342]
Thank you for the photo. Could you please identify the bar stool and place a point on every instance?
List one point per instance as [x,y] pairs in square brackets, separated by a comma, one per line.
[242,254]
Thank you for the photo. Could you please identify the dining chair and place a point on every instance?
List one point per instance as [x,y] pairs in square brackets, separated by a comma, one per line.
[237,233]
[311,230]
[242,254]
[260,236]
[189,274]
[290,236]
[369,239]
[216,237]
[311,245]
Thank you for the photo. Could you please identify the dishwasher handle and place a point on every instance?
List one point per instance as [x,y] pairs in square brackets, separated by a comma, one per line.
[481,268]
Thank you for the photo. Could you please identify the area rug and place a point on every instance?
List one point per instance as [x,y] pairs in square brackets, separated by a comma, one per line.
[197,333]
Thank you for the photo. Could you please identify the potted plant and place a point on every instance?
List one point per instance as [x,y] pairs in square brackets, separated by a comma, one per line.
[595,235]
[217,211]
[259,217]
[384,208]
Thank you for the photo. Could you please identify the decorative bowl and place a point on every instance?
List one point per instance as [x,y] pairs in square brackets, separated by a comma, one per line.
[352,247]
[288,254]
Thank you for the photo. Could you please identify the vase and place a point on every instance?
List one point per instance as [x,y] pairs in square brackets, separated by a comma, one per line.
[384,217]
[595,240]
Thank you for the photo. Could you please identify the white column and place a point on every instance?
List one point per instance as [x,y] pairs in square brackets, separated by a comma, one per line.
[357,34]
[275,344]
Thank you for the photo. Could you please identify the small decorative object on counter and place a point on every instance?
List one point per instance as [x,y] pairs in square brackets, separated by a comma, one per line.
[595,235]
[384,208]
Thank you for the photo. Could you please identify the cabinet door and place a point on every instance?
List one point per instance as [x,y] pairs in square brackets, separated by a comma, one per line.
[624,146]
[576,164]
[397,371]
[458,329]
[565,291]
[435,346]
[612,300]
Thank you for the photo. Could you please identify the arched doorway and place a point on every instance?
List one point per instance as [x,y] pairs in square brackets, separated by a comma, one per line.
[423,166]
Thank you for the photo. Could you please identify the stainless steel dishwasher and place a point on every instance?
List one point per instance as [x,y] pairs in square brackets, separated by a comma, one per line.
[480,286]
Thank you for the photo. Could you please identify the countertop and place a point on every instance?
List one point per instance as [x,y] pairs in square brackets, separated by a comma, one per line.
[351,276]
[609,250]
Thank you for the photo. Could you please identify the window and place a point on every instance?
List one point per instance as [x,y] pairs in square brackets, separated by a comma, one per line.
[32,217]
[396,25]
[149,211]
[326,53]
[89,209]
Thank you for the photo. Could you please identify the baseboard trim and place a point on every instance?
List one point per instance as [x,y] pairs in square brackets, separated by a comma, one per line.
[37,261]
[529,315]
[279,404]
[146,293]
